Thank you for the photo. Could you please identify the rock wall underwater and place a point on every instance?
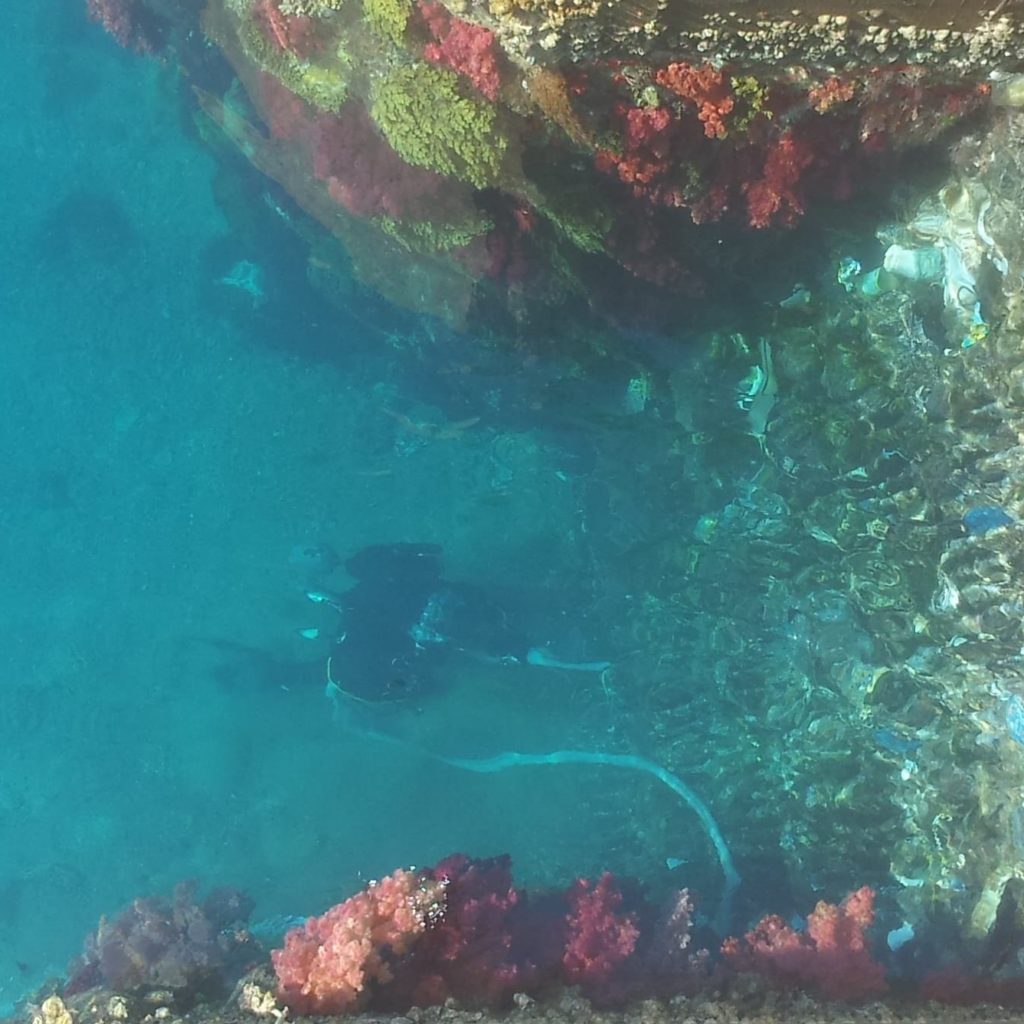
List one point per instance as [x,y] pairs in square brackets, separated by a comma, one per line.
[519,155]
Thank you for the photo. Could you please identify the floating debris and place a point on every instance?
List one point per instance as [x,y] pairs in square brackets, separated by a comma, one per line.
[247,277]
[981,520]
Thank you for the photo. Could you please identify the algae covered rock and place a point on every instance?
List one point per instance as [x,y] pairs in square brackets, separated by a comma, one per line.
[431,123]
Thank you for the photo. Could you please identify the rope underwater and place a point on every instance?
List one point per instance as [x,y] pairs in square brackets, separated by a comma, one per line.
[513,759]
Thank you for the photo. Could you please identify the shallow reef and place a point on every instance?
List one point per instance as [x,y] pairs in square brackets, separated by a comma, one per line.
[524,156]
[570,1008]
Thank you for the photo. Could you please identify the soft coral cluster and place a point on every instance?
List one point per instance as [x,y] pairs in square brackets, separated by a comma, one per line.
[768,172]
[707,88]
[469,954]
[775,197]
[188,947]
[468,49]
[830,957]
[803,142]
[460,930]
[346,152]
[600,937]
[328,964]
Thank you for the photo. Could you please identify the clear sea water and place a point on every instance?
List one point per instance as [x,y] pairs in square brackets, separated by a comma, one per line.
[176,444]
[167,448]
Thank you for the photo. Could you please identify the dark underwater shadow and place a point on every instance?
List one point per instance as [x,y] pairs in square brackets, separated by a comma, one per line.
[85,229]
[304,299]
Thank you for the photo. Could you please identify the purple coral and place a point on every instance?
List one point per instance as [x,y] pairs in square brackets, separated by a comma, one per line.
[184,946]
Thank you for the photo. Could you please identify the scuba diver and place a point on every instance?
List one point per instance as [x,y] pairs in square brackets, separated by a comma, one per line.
[402,620]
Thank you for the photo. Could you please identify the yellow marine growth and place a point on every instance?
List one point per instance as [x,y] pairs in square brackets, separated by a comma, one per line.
[751,100]
[429,237]
[429,122]
[388,18]
[310,8]
[323,84]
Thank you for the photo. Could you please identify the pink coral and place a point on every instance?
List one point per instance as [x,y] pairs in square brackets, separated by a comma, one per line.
[468,49]
[287,116]
[328,963]
[707,88]
[775,198]
[294,33]
[600,938]
[648,137]
[831,957]
[469,954]
[359,169]
[830,93]
[953,986]
[365,175]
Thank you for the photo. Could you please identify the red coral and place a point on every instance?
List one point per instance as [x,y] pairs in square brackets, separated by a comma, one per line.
[468,49]
[600,938]
[830,958]
[294,33]
[901,107]
[366,176]
[183,945]
[953,986]
[776,196]
[648,137]
[707,88]
[287,116]
[128,22]
[646,129]
[361,171]
[469,955]
[829,94]
[638,244]
[327,965]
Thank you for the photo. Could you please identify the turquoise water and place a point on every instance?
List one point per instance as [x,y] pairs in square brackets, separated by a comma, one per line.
[166,452]
[790,685]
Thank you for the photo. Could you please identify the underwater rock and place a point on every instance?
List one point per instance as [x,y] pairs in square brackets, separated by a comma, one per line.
[520,154]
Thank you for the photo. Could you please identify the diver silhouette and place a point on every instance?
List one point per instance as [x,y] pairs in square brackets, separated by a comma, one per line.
[401,621]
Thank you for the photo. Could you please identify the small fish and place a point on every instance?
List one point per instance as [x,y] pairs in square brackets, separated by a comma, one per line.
[763,402]
[821,535]
[893,742]
[325,597]
[799,298]
[674,862]
[309,633]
